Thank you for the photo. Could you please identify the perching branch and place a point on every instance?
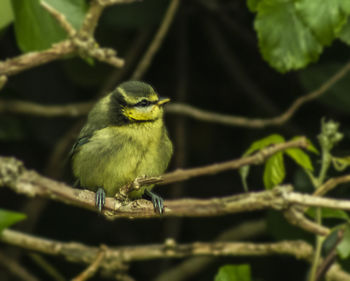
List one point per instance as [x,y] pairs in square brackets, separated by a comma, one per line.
[15,176]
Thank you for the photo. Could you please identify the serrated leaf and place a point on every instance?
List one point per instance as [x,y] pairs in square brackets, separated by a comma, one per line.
[6,14]
[344,34]
[340,163]
[324,17]
[274,172]
[284,40]
[8,218]
[244,172]
[300,157]
[343,248]
[328,213]
[234,273]
[259,144]
[36,29]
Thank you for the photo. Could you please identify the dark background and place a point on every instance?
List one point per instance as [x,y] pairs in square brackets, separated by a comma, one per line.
[210,59]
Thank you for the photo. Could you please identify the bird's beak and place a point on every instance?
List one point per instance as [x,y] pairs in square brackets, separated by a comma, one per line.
[163,101]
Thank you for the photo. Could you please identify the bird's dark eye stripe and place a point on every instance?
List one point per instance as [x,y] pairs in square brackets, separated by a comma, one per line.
[144,102]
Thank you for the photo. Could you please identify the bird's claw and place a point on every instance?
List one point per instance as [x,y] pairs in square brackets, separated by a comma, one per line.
[100,198]
[156,200]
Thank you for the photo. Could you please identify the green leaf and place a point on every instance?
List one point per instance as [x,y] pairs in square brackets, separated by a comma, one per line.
[253,5]
[234,273]
[259,144]
[332,240]
[8,218]
[36,29]
[6,14]
[328,213]
[284,40]
[300,157]
[325,18]
[344,34]
[244,172]
[343,248]
[274,172]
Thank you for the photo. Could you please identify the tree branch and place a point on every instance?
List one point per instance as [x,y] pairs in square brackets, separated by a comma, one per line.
[255,159]
[14,175]
[81,42]
[20,63]
[114,258]
[157,40]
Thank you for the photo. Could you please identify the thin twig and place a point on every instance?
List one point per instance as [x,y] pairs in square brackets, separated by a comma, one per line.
[80,42]
[61,18]
[29,60]
[157,40]
[23,62]
[16,269]
[330,184]
[93,267]
[295,216]
[92,16]
[255,159]
[24,107]
[188,268]
[3,80]
[47,267]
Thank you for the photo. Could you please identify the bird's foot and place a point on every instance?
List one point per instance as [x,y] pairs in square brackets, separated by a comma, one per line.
[156,200]
[100,198]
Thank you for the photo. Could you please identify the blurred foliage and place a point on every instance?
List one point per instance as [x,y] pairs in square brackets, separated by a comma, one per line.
[6,14]
[233,273]
[8,218]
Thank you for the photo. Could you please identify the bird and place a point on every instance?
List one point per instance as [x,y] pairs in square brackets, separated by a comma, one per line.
[123,138]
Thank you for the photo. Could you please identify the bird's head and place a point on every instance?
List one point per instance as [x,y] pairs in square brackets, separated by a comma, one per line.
[137,102]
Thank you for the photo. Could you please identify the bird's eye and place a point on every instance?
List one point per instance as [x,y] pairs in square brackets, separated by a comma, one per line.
[143,103]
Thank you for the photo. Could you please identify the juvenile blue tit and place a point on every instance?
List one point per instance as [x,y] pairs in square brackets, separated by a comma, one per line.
[124,138]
